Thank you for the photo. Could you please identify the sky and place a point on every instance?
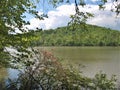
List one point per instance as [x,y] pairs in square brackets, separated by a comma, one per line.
[60,16]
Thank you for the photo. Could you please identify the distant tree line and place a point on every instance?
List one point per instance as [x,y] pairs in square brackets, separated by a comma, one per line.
[83,35]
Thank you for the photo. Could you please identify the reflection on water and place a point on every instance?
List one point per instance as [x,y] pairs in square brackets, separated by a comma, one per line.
[3,73]
[95,59]
[8,73]
[13,73]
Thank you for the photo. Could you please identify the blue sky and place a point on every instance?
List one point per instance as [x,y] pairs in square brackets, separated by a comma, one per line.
[58,17]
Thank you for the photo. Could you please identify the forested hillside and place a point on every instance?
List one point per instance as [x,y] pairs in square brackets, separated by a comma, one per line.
[87,35]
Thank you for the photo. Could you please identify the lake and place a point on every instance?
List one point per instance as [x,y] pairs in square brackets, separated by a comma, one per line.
[95,59]
[3,73]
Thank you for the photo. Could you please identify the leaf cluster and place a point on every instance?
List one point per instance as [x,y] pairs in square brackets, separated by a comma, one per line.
[47,73]
[82,35]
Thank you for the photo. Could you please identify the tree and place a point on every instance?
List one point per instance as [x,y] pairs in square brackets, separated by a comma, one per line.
[12,18]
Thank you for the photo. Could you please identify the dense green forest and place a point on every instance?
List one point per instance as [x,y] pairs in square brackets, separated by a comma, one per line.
[82,35]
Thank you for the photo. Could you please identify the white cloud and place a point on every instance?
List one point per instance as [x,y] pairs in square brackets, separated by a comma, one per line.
[57,18]
[93,0]
[60,17]
[105,18]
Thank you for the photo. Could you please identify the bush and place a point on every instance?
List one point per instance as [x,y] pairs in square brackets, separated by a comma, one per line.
[47,73]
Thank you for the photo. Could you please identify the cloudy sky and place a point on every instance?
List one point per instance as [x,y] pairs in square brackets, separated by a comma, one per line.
[60,16]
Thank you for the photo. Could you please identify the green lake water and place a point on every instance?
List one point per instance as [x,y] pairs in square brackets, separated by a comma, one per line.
[95,59]
[3,73]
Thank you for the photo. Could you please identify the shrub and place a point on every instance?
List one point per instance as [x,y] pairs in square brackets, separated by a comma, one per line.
[47,73]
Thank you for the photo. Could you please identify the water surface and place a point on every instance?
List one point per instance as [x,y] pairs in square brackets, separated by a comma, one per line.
[3,73]
[95,59]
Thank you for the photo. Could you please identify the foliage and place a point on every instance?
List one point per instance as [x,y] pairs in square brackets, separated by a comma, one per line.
[13,18]
[83,35]
[47,73]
